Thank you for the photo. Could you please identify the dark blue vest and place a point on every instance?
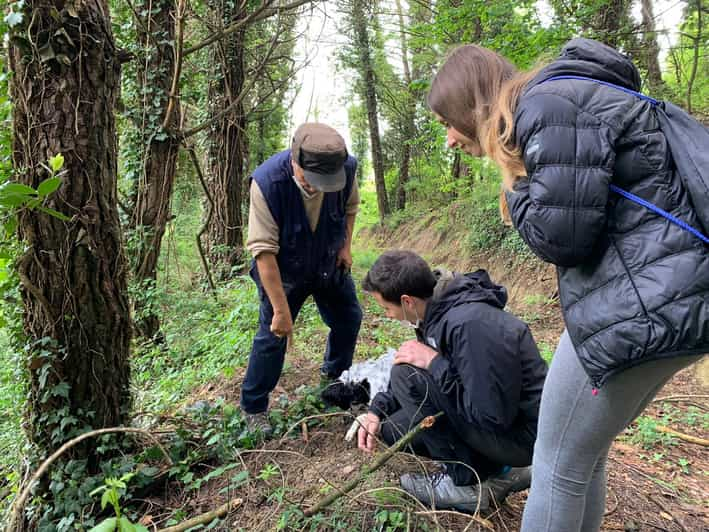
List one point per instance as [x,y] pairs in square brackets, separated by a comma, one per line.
[304,255]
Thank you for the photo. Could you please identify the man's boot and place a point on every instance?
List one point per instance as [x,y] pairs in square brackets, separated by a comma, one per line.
[259,424]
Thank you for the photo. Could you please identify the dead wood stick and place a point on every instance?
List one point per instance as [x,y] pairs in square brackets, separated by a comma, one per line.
[378,462]
[682,436]
[205,517]
[682,397]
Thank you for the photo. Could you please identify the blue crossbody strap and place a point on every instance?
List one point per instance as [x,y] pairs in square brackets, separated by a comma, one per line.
[654,208]
[625,193]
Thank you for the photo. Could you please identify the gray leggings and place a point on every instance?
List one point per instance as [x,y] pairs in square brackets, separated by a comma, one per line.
[576,430]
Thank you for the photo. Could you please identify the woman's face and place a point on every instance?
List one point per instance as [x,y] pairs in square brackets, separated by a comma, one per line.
[456,139]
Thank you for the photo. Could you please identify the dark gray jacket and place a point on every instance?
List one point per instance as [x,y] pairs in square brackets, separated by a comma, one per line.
[488,365]
[633,286]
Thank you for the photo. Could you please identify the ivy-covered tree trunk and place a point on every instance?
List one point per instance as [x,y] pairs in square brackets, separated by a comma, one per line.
[159,150]
[370,99]
[73,273]
[228,147]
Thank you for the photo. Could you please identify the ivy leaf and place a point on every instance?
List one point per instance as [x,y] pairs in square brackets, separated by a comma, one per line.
[56,162]
[61,390]
[49,185]
[13,18]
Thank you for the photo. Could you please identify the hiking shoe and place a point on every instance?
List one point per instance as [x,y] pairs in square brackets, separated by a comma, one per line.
[259,424]
[439,490]
[516,479]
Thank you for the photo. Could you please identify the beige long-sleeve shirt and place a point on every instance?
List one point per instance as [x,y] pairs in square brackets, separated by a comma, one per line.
[263,230]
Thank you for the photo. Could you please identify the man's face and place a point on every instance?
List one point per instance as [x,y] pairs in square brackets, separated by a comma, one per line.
[300,177]
[392,310]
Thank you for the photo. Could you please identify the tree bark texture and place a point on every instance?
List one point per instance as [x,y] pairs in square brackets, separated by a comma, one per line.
[228,148]
[363,47]
[73,273]
[153,193]
[650,48]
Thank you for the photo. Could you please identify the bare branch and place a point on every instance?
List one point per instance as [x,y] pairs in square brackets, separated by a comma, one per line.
[261,13]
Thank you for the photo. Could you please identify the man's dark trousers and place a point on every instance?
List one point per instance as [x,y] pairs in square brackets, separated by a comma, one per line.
[469,452]
[337,302]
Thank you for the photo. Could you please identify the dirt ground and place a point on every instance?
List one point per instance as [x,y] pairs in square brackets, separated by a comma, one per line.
[652,485]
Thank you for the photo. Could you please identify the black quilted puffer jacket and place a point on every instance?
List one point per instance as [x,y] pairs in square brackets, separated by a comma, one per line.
[633,286]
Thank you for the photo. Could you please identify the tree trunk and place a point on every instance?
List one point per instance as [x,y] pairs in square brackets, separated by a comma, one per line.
[153,193]
[650,48]
[697,40]
[227,150]
[409,124]
[610,19]
[370,99]
[73,274]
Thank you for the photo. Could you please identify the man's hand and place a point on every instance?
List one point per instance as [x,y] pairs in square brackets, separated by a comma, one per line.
[282,323]
[344,258]
[415,353]
[367,432]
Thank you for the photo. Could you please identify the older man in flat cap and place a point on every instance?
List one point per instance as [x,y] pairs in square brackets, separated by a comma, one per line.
[302,212]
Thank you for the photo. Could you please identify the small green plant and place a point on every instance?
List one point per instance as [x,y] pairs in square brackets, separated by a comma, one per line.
[647,436]
[113,489]
[390,520]
[267,472]
[684,464]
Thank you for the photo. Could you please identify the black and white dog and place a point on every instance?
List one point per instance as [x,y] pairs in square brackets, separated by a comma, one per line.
[360,383]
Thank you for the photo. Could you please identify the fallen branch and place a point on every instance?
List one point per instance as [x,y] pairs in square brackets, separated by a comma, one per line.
[679,398]
[682,436]
[19,504]
[205,518]
[378,462]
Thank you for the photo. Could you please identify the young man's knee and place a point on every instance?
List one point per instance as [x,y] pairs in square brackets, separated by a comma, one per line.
[409,379]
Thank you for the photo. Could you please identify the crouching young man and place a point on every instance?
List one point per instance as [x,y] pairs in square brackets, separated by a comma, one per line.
[473,361]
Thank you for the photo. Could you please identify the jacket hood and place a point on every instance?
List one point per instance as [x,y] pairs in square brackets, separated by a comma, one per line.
[592,59]
[457,289]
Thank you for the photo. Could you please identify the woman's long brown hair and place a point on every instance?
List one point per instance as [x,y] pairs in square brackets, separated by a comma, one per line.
[476,91]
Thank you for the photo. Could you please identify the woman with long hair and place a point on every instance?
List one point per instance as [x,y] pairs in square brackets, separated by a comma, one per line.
[634,287]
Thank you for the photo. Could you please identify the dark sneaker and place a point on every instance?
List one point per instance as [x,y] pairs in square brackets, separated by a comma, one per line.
[516,479]
[259,424]
[438,489]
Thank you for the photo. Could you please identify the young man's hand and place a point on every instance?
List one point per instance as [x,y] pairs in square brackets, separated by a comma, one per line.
[367,432]
[415,353]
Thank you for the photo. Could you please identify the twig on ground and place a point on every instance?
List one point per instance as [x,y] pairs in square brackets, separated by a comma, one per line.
[477,519]
[679,397]
[205,517]
[314,416]
[378,462]
[615,507]
[682,436]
